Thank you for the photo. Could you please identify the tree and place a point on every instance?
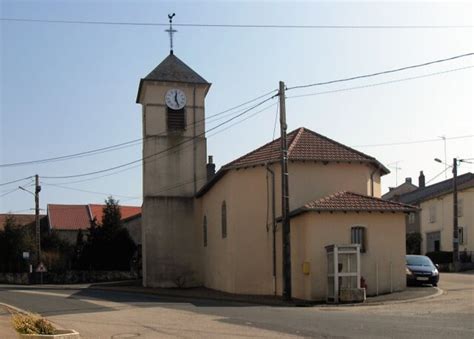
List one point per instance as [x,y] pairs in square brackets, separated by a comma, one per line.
[14,240]
[109,245]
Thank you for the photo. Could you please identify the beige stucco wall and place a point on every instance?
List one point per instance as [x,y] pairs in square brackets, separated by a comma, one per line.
[444,220]
[242,262]
[174,168]
[382,265]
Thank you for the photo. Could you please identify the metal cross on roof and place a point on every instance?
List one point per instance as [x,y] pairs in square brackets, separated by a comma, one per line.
[171,31]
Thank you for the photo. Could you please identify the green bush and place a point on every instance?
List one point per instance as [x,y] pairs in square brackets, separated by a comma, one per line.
[30,323]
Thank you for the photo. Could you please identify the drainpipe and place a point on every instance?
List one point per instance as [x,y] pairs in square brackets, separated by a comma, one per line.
[273,229]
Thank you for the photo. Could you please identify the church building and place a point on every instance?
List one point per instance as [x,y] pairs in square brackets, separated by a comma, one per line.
[216,230]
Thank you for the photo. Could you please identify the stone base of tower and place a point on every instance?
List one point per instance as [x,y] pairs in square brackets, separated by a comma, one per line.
[170,254]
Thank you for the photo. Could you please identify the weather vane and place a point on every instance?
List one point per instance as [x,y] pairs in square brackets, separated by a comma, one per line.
[171,31]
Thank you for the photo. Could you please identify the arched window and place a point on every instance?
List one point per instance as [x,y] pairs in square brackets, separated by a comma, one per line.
[224,220]
[204,230]
[358,236]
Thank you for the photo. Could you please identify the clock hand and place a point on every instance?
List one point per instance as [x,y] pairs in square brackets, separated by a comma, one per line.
[176,98]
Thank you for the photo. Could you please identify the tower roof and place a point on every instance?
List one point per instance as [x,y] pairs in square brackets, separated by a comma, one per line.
[174,70]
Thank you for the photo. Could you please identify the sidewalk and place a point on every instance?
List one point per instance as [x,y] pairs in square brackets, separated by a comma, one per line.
[411,293]
[6,329]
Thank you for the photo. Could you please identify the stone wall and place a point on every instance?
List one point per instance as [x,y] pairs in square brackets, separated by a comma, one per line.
[67,277]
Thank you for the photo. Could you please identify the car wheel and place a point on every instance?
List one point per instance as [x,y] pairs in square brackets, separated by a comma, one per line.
[435,285]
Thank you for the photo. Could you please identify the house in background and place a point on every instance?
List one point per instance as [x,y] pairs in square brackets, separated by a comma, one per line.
[67,220]
[412,220]
[434,220]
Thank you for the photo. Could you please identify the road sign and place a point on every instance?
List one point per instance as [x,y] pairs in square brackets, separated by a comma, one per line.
[41,268]
[26,255]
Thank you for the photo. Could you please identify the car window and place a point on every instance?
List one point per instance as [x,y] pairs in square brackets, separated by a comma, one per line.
[419,261]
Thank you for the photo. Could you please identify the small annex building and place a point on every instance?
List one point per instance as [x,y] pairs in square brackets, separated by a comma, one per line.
[201,228]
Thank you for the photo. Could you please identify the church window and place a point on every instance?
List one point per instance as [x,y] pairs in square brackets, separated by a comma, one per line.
[224,219]
[204,230]
[358,236]
[176,119]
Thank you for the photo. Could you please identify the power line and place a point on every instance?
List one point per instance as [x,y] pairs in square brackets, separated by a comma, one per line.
[165,155]
[379,83]
[382,72]
[415,141]
[163,151]
[9,192]
[134,142]
[17,180]
[437,175]
[92,192]
[125,23]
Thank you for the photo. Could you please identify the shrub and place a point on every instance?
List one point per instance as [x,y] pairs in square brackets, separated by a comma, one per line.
[31,324]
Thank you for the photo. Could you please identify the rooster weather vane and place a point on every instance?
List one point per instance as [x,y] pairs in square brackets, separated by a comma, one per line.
[171,31]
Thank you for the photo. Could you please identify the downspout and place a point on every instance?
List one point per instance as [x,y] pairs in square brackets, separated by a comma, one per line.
[273,229]
[194,140]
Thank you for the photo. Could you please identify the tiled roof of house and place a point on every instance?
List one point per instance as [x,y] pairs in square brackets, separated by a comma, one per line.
[68,217]
[20,219]
[126,211]
[353,202]
[304,144]
[444,187]
[174,70]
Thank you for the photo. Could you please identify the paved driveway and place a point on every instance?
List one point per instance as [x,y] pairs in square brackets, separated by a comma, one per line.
[108,314]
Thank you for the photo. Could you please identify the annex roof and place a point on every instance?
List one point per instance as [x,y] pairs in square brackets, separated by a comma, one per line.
[352,202]
[68,217]
[303,145]
[444,187]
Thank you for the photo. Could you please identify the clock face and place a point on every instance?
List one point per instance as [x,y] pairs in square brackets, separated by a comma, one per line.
[175,99]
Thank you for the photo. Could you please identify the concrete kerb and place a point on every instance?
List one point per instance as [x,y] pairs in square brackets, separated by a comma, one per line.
[262,301]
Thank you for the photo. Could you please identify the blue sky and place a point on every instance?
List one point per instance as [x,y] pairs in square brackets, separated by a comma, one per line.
[72,88]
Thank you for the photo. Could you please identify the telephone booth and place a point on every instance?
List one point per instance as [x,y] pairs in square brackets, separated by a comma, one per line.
[344,274]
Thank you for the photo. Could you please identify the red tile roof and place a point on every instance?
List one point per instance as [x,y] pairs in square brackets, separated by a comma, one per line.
[126,211]
[68,217]
[75,217]
[304,144]
[20,219]
[353,202]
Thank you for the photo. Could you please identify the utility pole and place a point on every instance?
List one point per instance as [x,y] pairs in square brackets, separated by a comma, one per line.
[455,217]
[37,221]
[285,208]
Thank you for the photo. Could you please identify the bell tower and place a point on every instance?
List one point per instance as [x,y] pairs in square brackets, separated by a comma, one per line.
[174,169]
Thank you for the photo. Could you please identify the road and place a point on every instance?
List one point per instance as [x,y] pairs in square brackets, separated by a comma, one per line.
[107,314]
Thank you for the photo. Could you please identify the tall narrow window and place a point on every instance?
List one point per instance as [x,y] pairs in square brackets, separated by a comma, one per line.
[176,119]
[433,213]
[358,236]
[224,219]
[204,231]
[460,207]
[461,235]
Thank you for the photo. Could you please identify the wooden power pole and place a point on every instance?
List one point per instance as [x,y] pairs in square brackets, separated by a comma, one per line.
[455,217]
[285,203]
[37,221]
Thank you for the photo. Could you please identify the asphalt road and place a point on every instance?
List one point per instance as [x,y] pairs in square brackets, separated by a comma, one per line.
[107,314]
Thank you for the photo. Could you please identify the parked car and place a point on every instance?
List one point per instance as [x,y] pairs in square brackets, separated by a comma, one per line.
[421,270]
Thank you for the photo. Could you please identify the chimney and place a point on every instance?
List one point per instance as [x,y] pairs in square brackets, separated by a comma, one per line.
[421,180]
[211,168]
[408,180]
